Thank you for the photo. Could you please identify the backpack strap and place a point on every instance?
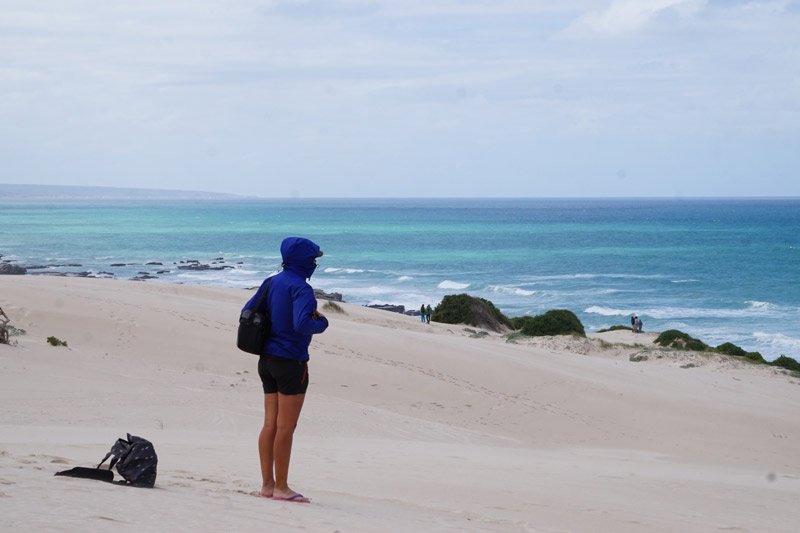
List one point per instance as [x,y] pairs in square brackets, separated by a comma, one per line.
[264,294]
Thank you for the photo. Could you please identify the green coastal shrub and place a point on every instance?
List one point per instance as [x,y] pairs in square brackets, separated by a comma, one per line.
[519,322]
[553,322]
[470,310]
[786,362]
[754,357]
[673,338]
[55,341]
[729,348]
[614,328]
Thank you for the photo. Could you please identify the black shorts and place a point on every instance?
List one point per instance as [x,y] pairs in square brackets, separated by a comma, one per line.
[279,374]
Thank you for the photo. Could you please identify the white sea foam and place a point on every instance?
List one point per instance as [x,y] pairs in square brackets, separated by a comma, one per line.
[764,306]
[514,291]
[452,285]
[563,277]
[405,278]
[779,340]
[606,311]
[334,270]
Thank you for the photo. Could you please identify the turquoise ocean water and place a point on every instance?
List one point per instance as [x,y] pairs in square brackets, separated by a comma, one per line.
[721,270]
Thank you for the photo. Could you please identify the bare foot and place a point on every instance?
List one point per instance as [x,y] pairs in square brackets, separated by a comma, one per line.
[289,495]
[267,491]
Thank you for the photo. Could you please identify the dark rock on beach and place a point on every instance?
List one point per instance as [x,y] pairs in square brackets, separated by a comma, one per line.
[54,265]
[203,266]
[157,263]
[82,274]
[388,307]
[331,296]
[14,270]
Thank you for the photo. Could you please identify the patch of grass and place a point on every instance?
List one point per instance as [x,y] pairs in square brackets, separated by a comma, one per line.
[474,334]
[333,307]
[512,337]
[13,332]
[55,341]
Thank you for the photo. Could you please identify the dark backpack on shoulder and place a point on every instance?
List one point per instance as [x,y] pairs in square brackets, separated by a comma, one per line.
[135,459]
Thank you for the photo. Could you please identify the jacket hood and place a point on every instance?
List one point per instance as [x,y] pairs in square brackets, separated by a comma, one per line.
[298,255]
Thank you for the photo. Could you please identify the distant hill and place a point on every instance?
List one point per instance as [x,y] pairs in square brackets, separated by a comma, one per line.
[68,192]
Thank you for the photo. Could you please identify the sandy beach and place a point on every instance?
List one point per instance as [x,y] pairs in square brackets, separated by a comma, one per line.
[406,426]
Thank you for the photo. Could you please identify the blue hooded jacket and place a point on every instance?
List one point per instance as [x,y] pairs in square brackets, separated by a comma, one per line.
[291,301]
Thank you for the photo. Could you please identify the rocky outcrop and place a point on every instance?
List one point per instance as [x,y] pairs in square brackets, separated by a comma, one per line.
[203,266]
[331,296]
[388,307]
[14,270]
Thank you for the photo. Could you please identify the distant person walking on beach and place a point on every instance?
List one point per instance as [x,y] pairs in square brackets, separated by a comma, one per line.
[638,325]
[633,323]
[422,313]
[428,313]
[283,365]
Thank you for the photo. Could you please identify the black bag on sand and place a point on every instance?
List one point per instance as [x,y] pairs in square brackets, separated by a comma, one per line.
[88,473]
[135,459]
[254,327]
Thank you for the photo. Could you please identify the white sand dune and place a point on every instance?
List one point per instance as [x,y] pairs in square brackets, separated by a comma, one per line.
[407,426]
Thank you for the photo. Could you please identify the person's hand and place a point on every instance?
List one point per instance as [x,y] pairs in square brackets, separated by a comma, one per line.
[316,315]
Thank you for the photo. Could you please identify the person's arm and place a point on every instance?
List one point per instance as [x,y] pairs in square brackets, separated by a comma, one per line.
[305,317]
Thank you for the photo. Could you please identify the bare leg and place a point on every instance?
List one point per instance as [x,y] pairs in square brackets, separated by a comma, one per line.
[266,440]
[289,407]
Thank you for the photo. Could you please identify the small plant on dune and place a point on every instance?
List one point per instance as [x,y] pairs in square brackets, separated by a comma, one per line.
[14,331]
[476,334]
[55,341]
[553,322]
[512,337]
[333,307]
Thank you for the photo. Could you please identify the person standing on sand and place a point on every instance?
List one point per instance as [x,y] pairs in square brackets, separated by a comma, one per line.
[428,313]
[283,364]
[422,313]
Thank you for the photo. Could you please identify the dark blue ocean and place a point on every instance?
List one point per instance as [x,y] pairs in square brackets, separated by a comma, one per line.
[721,270]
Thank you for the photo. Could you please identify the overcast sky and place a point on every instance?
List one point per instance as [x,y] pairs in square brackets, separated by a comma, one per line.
[348,98]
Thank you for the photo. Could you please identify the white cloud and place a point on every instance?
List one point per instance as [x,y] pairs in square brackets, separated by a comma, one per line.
[627,16]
